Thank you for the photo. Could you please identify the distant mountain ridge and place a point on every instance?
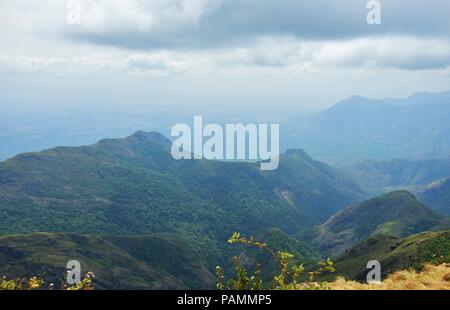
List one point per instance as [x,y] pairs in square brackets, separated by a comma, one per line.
[358,128]
[379,175]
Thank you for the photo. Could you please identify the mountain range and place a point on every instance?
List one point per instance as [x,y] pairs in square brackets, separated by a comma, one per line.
[140,219]
[358,128]
[133,186]
[380,176]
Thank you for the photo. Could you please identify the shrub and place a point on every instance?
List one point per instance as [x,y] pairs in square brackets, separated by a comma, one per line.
[289,277]
[36,283]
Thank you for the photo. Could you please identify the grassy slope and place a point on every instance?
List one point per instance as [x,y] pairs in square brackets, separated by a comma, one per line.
[394,253]
[140,262]
[396,213]
[430,278]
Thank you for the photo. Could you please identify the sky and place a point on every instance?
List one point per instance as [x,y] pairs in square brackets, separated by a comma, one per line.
[226,54]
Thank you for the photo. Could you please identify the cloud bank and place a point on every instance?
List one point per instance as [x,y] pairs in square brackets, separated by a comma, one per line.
[154,24]
[224,50]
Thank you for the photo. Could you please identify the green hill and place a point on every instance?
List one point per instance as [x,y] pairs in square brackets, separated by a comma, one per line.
[396,213]
[139,262]
[437,196]
[309,184]
[394,254]
[132,186]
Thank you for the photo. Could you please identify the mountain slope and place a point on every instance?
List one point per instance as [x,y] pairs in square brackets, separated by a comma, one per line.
[379,175]
[133,186]
[431,277]
[396,213]
[140,262]
[437,196]
[394,254]
[303,181]
[357,128]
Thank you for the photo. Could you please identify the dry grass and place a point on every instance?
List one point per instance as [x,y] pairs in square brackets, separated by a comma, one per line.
[430,278]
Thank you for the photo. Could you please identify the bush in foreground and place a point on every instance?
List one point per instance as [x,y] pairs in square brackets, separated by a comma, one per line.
[36,283]
[289,278]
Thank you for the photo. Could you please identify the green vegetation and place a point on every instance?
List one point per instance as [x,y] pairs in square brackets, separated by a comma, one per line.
[437,196]
[289,276]
[396,213]
[395,254]
[279,241]
[133,186]
[34,283]
[136,262]
[140,220]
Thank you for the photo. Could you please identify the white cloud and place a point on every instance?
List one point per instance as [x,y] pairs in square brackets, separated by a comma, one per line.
[403,53]
[391,52]
[30,65]
[156,64]
[276,53]
[29,31]
[118,16]
[153,64]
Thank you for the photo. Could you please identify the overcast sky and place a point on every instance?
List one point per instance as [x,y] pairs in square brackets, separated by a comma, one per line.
[253,53]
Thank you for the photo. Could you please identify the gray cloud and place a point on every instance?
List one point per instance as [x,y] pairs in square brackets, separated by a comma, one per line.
[167,37]
[393,52]
[147,24]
